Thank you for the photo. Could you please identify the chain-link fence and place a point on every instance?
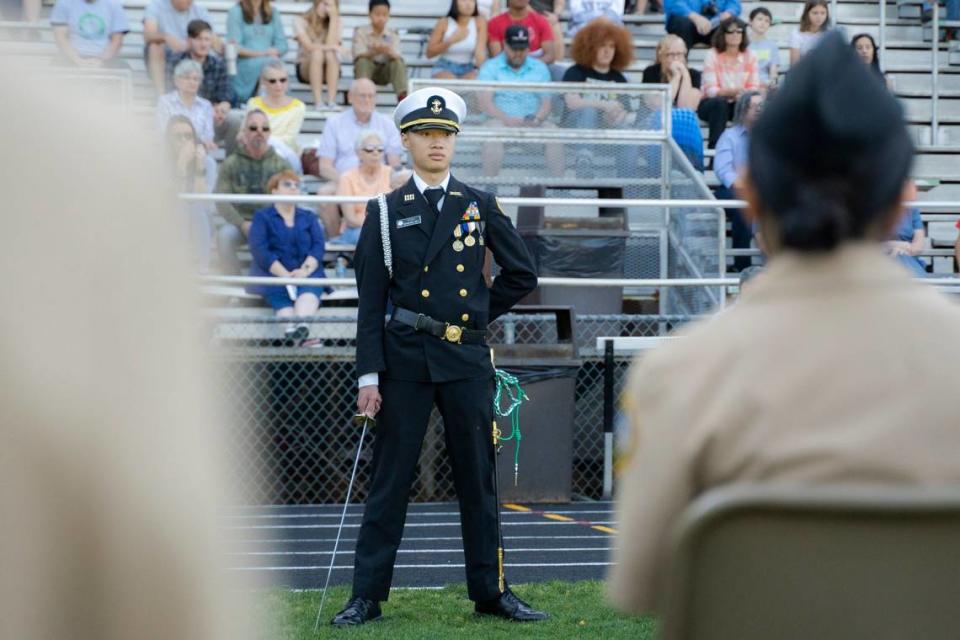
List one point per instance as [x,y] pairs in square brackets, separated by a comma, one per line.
[292,403]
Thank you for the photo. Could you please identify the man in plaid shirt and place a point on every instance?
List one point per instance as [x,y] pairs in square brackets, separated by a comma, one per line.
[216,85]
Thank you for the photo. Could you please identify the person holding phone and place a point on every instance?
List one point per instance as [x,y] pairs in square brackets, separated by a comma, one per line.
[376,51]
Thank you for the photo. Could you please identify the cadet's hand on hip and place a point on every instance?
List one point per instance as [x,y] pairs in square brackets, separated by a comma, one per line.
[368,400]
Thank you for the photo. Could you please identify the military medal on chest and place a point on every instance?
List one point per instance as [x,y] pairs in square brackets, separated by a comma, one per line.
[457,243]
[469,223]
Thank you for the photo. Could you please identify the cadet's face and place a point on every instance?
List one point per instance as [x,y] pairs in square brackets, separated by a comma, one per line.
[431,150]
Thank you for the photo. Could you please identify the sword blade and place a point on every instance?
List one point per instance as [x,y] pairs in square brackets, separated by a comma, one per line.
[343,517]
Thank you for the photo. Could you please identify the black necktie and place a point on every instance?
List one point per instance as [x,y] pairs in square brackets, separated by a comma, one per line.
[433,196]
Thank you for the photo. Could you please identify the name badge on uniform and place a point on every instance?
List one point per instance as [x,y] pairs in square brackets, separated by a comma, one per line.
[403,223]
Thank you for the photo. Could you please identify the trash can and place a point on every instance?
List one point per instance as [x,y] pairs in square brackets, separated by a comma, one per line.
[579,248]
[547,372]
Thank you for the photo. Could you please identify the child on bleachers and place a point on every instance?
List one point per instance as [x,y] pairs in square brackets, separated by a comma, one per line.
[814,22]
[318,59]
[376,51]
[767,51]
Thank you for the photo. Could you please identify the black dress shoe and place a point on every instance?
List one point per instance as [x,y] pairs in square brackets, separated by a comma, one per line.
[510,607]
[357,611]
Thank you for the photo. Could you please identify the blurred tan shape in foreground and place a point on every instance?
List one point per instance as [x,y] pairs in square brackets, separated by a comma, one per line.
[109,473]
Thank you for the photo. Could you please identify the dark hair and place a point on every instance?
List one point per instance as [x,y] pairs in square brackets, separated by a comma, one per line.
[829,159]
[761,11]
[593,35]
[377,3]
[805,16]
[266,11]
[198,26]
[875,63]
[454,14]
[719,41]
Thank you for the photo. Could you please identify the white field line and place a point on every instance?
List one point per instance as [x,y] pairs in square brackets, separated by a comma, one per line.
[446,514]
[416,524]
[339,552]
[507,565]
[411,540]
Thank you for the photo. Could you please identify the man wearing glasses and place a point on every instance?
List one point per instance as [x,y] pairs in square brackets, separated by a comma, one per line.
[245,171]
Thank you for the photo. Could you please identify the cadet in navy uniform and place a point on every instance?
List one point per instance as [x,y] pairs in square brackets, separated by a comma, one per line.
[432,351]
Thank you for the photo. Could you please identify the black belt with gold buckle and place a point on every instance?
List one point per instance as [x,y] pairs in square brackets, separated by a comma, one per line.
[443,330]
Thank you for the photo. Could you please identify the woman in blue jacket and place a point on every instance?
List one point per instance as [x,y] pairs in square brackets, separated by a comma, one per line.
[287,242]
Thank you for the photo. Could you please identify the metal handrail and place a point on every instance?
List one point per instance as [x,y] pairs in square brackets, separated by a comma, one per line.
[553,282]
[933,205]
[934,72]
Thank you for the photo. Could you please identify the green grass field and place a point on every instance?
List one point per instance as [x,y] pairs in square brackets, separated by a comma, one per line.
[577,610]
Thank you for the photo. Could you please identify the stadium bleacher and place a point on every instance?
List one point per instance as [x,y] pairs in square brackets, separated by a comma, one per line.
[907,60]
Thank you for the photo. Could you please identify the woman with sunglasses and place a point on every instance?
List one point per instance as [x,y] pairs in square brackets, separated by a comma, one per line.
[287,241]
[284,111]
[729,69]
[367,179]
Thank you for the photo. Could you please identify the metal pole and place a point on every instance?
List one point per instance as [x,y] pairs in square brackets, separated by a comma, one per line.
[883,30]
[935,90]
[608,393]
[366,420]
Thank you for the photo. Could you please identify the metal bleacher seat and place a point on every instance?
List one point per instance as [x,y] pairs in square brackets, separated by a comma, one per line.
[767,563]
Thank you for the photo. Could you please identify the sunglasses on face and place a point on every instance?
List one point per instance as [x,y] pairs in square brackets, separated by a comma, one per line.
[276,80]
[255,128]
[289,184]
[735,31]
[372,149]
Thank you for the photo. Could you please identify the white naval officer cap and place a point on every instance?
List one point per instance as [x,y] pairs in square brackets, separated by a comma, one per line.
[430,108]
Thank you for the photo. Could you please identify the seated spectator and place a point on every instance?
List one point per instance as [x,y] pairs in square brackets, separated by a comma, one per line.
[185,100]
[729,164]
[287,242]
[215,86]
[516,108]
[337,150]
[318,59]
[866,48]
[671,68]
[460,41]
[376,51]
[814,22]
[582,12]
[188,157]
[907,240]
[368,178]
[246,171]
[767,51]
[258,33]
[729,69]
[540,33]
[696,21]
[285,112]
[800,383]
[89,33]
[601,51]
[552,10]
[165,34]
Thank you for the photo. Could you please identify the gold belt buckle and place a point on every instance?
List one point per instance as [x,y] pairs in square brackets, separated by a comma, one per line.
[452,333]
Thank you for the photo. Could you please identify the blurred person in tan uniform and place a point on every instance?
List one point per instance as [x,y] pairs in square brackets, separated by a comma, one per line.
[833,367]
[109,473]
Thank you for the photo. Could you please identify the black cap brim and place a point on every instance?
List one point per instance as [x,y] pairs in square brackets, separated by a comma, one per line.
[424,126]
